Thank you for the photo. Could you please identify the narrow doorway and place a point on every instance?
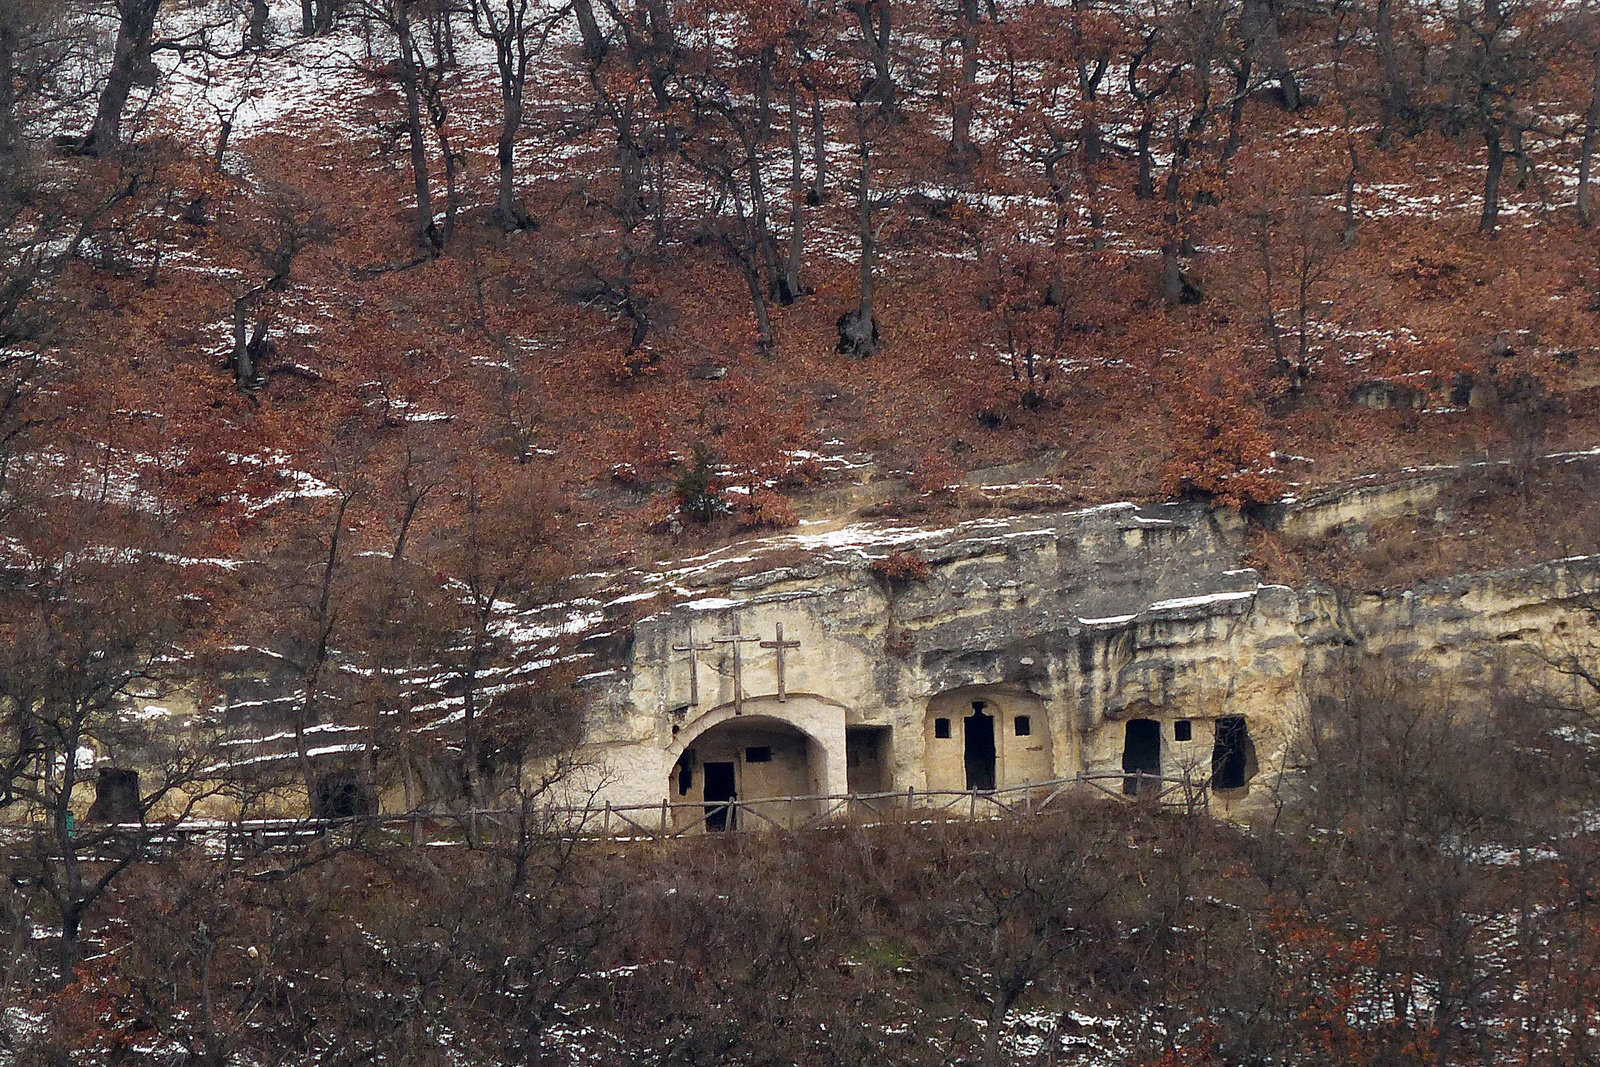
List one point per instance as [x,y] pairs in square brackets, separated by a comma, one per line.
[1231,755]
[979,748]
[1141,752]
[719,786]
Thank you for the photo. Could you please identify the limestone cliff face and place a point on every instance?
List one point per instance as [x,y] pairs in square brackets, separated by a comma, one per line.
[1102,640]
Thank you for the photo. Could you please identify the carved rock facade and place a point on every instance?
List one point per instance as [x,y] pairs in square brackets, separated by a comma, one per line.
[1106,641]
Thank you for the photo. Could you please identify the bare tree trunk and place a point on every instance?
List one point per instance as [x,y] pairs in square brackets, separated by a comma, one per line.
[858,329]
[594,45]
[1172,238]
[1259,24]
[750,266]
[10,133]
[1241,87]
[130,65]
[452,192]
[246,374]
[256,33]
[875,18]
[1591,133]
[1147,161]
[428,237]
[869,240]
[963,153]
[819,150]
[1394,101]
[507,210]
[790,285]
[1269,296]
[1491,182]
[432,83]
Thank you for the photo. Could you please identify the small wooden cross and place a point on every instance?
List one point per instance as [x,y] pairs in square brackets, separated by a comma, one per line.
[780,644]
[736,639]
[694,664]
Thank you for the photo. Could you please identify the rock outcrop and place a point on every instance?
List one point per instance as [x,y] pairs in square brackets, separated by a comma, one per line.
[1079,625]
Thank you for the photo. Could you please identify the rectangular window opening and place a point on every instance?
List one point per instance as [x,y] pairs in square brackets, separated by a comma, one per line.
[941,728]
[1183,730]
[1024,726]
[758,754]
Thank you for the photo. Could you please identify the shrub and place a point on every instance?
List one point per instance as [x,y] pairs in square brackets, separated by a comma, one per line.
[1220,451]
[764,507]
[899,566]
[699,491]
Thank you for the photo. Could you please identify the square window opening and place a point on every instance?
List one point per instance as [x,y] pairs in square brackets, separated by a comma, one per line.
[1183,730]
[941,728]
[1024,725]
[758,754]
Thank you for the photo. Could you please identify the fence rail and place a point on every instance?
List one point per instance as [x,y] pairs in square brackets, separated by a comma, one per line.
[666,820]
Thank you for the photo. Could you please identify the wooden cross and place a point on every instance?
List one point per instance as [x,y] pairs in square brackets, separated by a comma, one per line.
[736,639]
[780,644]
[694,664]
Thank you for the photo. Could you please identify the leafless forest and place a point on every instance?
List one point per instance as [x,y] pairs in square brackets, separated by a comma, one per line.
[344,336]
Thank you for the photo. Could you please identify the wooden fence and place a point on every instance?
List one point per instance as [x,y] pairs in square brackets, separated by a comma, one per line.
[666,820]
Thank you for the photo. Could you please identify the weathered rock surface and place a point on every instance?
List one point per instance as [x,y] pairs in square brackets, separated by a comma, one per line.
[1078,622]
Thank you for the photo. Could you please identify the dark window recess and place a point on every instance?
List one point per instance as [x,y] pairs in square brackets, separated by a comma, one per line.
[941,728]
[1024,726]
[1183,730]
[758,754]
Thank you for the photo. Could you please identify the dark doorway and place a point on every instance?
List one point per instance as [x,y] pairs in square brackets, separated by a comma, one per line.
[865,751]
[1141,752]
[342,796]
[116,797]
[1232,755]
[979,748]
[719,790]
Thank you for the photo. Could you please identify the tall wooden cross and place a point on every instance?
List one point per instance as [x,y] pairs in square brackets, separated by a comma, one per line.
[736,639]
[781,645]
[694,664]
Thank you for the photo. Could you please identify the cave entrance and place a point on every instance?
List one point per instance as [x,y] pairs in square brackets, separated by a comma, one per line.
[720,788]
[342,796]
[116,797]
[864,750]
[1232,754]
[1141,753]
[979,748]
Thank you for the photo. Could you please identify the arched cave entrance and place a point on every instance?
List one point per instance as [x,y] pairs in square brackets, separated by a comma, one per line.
[748,760]
[1141,753]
